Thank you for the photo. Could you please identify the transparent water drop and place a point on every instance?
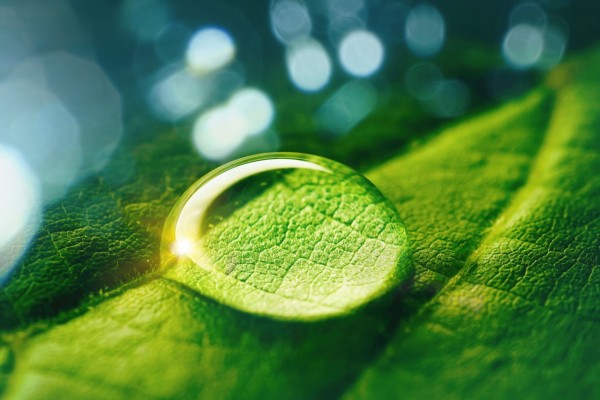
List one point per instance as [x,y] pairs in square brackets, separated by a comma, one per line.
[286,235]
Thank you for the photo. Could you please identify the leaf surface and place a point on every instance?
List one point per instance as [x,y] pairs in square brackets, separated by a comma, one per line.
[518,320]
[503,216]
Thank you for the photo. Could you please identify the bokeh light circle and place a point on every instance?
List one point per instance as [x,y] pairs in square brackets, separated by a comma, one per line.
[523,46]
[308,65]
[256,108]
[210,49]
[361,53]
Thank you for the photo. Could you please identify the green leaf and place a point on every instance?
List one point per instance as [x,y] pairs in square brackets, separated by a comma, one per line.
[103,234]
[503,215]
[519,319]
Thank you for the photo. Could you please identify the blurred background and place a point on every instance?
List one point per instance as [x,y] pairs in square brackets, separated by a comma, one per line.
[353,80]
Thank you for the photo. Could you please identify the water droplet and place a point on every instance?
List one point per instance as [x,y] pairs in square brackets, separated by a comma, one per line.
[286,235]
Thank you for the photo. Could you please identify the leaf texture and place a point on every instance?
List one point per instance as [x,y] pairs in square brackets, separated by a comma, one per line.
[520,317]
[503,216]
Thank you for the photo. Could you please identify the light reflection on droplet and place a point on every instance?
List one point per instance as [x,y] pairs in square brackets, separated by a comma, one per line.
[290,20]
[182,247]
[177,95]
[423,80]
[347,107]
[19,208]
[425,30]
[361,53]
[210,49]
[145,18]
[256,108]
[308,65]
[529,14]
[523,45]
[451,99]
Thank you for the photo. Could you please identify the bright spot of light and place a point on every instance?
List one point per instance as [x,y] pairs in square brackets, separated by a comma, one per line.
[19,208]
[177,95]
[256,108]
[210,49]
[347,107]
[182,247]
[308,65]
[523,46]
[361,53]
[145,18]
[423,80]
[219,132]
[290,20]
[425,30]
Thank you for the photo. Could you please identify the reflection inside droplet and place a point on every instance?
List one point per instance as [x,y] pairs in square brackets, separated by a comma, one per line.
[285,235]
